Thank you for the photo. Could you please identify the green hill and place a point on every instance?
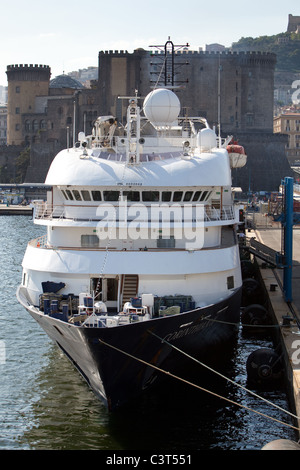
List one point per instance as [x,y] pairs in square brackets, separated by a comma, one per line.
[285,45]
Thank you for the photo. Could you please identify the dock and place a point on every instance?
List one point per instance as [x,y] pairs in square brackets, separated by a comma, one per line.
[15,209]
[270,234]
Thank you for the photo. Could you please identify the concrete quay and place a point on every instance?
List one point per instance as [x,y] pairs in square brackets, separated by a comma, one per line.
[15,210]
[289,335]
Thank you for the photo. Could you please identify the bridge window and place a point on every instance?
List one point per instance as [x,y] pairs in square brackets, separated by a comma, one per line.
[85,195]
[150,196]
[96,195]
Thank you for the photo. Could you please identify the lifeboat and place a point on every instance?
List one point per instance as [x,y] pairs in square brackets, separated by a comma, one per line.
[237,155]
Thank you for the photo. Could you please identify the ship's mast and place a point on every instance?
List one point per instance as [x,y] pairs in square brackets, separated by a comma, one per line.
[133,129]
[167,73]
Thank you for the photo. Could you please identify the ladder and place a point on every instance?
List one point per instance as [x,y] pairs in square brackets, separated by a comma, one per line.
[130,287]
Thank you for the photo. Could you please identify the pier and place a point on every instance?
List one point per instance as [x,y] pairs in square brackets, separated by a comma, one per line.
[15,209]
[268,233]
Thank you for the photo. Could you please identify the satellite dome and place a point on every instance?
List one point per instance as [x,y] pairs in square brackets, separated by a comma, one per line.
[161,107]
[65,81]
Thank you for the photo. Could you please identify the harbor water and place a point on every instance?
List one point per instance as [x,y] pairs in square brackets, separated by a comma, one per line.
[46,405]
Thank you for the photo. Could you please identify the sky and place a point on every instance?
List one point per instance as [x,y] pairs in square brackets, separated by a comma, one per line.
[67,35]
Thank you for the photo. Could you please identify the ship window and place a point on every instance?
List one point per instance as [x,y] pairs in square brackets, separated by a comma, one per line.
[77,195]
[132,195]
[166,242]
[196,195]
[89,241]
[230,282]
[204,194]
[150,196]
[188,196]
[70,195]
[64,194]
[96,195]
[177,196]
[111,195]
[166,196]
[85,195]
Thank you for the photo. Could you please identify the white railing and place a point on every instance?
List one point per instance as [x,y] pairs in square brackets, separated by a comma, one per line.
[42,210]
[89,213]
[40,242]
[226,213]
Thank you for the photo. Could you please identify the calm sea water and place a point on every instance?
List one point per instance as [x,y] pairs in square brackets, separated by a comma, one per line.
[44,403]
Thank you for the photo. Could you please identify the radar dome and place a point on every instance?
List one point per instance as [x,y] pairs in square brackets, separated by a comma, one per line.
[161,107]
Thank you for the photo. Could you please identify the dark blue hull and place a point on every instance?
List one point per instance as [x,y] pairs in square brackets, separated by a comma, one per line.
[123,354]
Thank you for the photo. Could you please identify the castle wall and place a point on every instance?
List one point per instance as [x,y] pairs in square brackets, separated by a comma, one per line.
[245,81]
[266,165]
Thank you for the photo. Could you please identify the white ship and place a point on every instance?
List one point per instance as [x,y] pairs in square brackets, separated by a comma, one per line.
[141,251]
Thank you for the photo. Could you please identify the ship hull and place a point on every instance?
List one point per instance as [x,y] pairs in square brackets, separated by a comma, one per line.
[119,363]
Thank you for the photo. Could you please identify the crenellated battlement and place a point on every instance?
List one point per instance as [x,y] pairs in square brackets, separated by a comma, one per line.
[225,53]
[26,66]
[28,72]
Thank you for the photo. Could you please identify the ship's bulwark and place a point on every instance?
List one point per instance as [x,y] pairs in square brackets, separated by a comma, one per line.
[201,333]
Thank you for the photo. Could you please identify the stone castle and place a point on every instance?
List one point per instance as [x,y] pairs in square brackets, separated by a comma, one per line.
[234,90]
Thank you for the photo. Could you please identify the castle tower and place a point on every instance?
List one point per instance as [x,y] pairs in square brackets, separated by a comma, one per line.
[25,83]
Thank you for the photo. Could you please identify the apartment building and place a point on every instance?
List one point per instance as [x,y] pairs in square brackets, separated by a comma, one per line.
[289,123]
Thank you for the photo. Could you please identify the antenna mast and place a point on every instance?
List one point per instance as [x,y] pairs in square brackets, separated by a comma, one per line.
[166,75]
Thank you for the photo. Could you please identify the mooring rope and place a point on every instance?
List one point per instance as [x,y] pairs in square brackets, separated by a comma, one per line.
[195,385]
[243,324]
[223,376]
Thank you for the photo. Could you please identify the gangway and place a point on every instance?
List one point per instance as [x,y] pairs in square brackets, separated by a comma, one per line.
[264,252]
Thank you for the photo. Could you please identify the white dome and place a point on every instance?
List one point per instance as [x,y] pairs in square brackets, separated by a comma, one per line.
[206,139]
[161,107]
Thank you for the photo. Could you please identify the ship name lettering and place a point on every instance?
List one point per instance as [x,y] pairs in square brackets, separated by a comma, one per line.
[183,332]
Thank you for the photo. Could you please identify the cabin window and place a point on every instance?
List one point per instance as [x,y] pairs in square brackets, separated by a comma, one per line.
[132,195]
[150,196]
[70,195]
[166,242]
[230,282]
[96,195]
[76,195]
[64,194]
[188,196]
[89,241]
[177,196]
[203,196]
[85,195]
[166,196]
[196,195]
[111,195]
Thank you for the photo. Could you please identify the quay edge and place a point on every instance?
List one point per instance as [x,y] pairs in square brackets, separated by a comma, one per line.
[15,210]
[289,334]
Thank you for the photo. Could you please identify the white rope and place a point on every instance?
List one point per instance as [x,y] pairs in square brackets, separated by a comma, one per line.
[224,377]
[195,385]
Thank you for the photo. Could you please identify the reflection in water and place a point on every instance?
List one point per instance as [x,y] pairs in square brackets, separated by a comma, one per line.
[67,414]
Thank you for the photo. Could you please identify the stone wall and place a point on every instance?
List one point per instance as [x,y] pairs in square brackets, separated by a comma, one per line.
[8,157]
[266,165]
[41,157]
